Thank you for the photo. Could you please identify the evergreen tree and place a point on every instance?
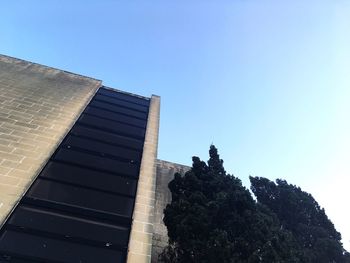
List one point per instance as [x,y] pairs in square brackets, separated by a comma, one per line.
[213,218]
[299,213]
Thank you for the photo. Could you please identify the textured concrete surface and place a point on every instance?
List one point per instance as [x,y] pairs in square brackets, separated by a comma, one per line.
[165,172]
[38,106]
[140,243]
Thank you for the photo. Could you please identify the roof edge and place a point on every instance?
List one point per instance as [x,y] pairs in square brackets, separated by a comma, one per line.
[127,93]
[11,59]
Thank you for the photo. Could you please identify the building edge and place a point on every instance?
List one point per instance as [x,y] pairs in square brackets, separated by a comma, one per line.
[140,242]
[10,199]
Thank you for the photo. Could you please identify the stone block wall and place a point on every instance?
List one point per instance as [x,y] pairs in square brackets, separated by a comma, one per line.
[38,106]
[140,243]
[164,174]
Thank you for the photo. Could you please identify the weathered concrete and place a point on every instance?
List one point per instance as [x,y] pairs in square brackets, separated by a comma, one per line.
[140,244]
[38,106]
[165,173]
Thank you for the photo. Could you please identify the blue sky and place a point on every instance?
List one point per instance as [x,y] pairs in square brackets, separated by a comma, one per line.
[268,82]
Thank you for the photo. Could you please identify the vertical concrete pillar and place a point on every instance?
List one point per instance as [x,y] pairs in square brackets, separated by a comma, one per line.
[140,244]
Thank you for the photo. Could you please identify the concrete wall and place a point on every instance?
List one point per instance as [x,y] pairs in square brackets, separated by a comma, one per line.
[165,173]
[38,106]
[140,243]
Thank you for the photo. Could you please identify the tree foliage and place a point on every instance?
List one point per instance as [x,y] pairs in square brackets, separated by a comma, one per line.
[299,213]
[213,218]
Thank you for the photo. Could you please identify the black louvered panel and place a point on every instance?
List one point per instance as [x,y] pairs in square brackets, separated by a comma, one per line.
[132,156]
[109,115]
[34,246]
[123,103]
[123,96]
[89,178]
[88,199]
[119,109]
[69,226]
[98,162]
[112,126]
[106,137]
[79,208]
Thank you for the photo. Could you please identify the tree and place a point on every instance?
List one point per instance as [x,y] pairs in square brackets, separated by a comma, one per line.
[213,218]
[299,213]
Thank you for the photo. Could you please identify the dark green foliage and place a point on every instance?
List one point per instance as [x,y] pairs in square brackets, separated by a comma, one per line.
[213,218]
[299,213]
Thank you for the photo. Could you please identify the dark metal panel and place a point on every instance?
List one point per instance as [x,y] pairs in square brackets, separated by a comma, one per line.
[88,199]
[107,137]
[115,117]
[125,104]
[69,226]
[97,215]
[96,162]
[103,148]
[6,258]
[46,248]
[119,109]
[89,178]
[123,96]
[119,128]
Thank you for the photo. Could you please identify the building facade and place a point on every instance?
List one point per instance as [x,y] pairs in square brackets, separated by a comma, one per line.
[79,175]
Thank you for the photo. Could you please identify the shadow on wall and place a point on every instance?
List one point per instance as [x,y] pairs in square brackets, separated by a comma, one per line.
[165,173]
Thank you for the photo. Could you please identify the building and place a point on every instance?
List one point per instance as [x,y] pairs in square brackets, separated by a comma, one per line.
[79,175]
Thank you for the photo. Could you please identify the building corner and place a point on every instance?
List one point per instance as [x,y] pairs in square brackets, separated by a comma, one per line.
[140,242]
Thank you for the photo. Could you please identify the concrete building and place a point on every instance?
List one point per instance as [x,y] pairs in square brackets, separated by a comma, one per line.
[79,175]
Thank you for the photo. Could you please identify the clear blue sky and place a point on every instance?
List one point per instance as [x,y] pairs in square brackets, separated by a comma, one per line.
[268,82]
